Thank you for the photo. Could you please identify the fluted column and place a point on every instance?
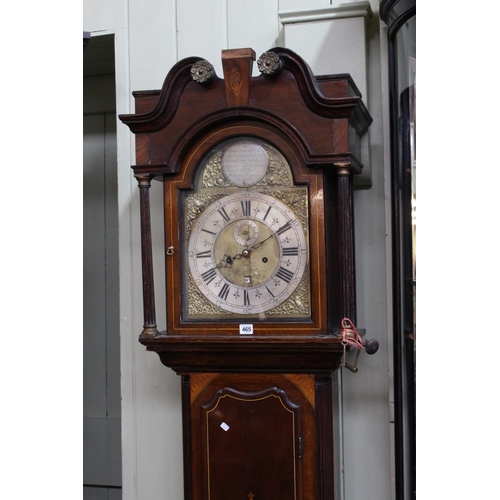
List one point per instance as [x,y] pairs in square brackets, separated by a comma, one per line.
[346,241]
[148,293]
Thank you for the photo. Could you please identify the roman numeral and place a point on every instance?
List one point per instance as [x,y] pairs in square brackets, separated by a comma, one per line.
[224,292]
[291,251]
[284,228]
[270,293]
[246,298]
[203,255]
[223,213]
[209,275]
[267,213]
[209,232]
[245,207]
[284,274]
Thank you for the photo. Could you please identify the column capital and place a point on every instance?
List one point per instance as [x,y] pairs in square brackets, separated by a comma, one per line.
[144,180]
[343,168]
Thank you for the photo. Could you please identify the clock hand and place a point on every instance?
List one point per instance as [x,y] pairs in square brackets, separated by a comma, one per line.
[260,243]
[228,260]
[280,230]
[246,252]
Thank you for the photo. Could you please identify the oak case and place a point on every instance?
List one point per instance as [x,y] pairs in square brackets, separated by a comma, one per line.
[274,386]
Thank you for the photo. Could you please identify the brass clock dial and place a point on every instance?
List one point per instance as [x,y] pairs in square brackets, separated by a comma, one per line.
[246,236]
[247,253]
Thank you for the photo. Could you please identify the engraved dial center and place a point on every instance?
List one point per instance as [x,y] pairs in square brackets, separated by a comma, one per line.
[246,232]
[253,264]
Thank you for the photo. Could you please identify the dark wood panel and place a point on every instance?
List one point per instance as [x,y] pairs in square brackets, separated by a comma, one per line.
[200,353]
[251,444]
[294,99]
[269,444]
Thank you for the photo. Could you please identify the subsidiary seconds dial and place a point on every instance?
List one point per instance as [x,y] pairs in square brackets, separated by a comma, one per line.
[247,253]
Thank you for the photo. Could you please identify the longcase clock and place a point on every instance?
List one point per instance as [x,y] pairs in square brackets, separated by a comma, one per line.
[259,252]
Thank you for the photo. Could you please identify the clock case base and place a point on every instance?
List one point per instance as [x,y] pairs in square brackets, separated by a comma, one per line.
[267,435]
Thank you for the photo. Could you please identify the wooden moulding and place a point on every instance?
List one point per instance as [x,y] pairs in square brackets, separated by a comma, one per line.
[188,353]
[169,119]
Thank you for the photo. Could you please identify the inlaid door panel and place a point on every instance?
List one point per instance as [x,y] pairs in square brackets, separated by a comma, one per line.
[253,437]
[251,444]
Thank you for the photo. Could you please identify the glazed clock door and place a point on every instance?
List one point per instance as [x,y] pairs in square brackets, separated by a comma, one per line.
[244,238]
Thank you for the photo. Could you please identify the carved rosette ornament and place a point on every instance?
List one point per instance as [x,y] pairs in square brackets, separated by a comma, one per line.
[270,64]
[202,72]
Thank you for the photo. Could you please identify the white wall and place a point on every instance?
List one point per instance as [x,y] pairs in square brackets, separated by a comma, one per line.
[150,36]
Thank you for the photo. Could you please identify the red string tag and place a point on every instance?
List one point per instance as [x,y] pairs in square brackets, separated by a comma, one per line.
[350,335]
